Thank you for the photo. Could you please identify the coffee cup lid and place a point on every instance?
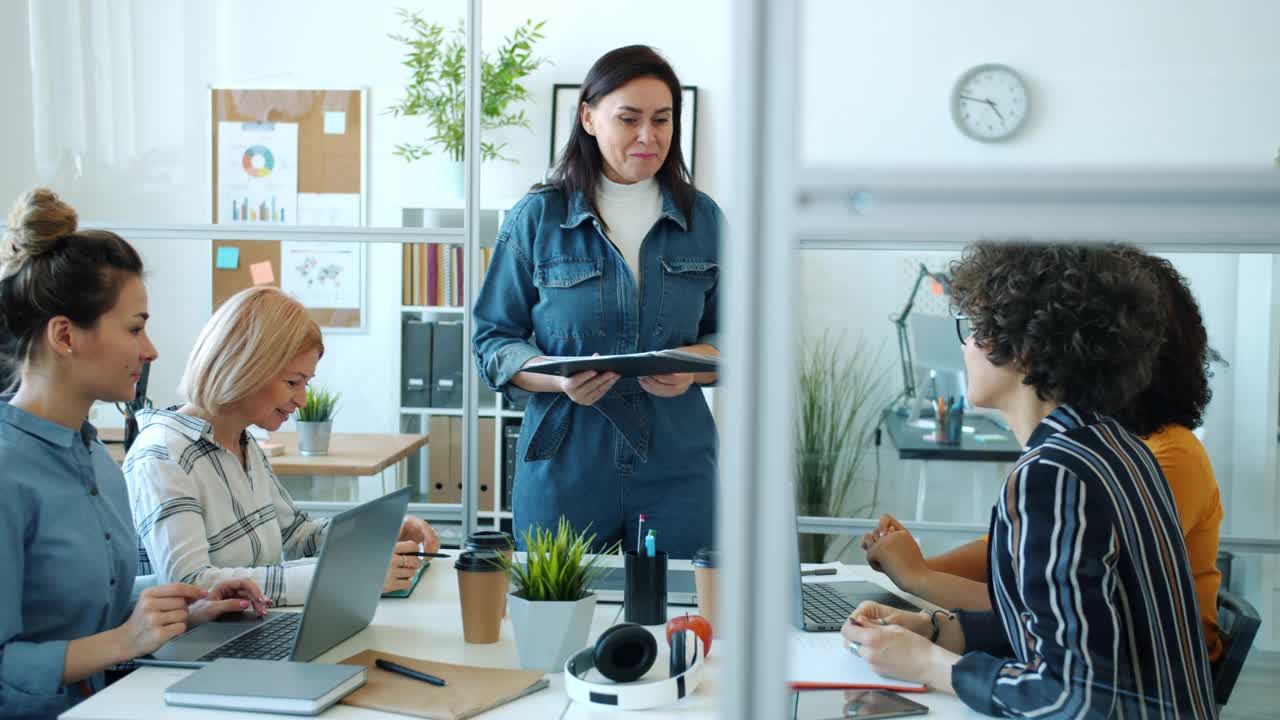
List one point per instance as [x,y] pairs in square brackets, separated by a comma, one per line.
[489,540]
[706,558]
[478,561]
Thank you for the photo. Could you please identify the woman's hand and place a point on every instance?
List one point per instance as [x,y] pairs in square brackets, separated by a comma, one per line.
[400,571]
[586,388]
[159,616]
[667,386]
[871,613]
[420,531]
[897,555]
[896,651]
[229,596]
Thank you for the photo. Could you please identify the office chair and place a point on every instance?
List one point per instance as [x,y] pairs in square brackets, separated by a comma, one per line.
[1238,622]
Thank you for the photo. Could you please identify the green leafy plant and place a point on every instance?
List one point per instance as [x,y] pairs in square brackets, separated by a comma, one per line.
[437,85]
[558,566]
[320,405]
[841,394]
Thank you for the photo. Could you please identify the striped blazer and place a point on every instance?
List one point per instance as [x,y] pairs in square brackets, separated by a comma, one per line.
[1095,610]
[202,517]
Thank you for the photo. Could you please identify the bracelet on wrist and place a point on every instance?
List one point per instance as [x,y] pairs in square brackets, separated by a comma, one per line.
[933,623]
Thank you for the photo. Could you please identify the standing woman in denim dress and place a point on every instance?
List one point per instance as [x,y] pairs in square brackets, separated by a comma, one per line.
[617,253]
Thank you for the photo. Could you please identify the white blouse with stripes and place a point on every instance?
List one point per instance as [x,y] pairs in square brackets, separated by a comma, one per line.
[202,517]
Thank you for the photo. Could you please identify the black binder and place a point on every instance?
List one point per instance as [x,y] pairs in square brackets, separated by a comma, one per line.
[510,438]
[415,363]
[446,364]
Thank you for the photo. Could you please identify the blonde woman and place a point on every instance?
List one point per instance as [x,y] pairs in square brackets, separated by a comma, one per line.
[206,503]
[73,317]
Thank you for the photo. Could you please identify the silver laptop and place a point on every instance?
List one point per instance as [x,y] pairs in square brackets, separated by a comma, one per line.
[343,596]
[824,607]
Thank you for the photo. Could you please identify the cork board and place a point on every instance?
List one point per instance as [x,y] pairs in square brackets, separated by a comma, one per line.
[327,163]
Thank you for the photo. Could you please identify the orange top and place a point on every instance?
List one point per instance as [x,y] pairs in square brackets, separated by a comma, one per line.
[1195,494]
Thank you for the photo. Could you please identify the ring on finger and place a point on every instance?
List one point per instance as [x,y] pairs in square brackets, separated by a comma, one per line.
[854,647]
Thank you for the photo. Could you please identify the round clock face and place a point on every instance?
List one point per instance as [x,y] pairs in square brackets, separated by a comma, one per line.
[989,103]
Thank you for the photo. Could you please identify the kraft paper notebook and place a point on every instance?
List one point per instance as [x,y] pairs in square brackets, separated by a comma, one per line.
[470,690]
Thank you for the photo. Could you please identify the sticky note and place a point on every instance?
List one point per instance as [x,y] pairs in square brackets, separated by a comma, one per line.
[335,123]
[262,273]
[228,258]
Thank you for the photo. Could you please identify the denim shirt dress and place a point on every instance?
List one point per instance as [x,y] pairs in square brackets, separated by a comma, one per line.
[556,286]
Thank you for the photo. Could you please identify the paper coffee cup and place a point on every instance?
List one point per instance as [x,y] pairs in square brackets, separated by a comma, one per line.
[706,571]
[496,541]
[482,593]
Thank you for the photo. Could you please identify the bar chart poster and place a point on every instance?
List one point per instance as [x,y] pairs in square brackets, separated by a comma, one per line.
[258,173]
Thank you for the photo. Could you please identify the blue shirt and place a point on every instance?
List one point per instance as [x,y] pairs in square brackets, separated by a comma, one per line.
[554,276]
[68,554]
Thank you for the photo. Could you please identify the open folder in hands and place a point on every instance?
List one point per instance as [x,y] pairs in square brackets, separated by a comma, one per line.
[469,690]
[657,362]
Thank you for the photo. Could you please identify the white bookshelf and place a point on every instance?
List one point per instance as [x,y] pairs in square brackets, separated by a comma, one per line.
[491,405]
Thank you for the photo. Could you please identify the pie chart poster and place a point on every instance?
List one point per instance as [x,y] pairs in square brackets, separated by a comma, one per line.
[258,173]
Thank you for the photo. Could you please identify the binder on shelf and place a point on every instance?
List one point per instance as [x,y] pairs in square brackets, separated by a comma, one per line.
[486,478]
[415,362]
[510,438]
[441,485]
[446,364]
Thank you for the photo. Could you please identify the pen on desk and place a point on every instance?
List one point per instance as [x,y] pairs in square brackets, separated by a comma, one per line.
[819,571]
[426,554]
[409,672]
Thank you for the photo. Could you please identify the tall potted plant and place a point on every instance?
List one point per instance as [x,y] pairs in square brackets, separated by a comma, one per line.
[551,605]
[437,83]
[841,394]
[315,421]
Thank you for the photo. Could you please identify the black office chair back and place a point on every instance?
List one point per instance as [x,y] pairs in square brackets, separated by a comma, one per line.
[1238,622]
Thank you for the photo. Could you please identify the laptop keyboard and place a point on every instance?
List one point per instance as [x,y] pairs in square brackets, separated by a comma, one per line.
[272,640]
[824,605]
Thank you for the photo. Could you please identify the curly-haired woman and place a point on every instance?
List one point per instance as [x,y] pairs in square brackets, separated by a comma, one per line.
[1094,605]
[1163,415]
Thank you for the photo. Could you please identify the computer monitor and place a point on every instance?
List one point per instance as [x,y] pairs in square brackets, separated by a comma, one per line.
[937,350]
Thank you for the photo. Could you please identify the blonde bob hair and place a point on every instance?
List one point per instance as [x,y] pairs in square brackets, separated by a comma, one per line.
[246,344]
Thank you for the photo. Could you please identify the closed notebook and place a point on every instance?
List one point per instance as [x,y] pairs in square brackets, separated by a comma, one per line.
[470,690]
[278,686]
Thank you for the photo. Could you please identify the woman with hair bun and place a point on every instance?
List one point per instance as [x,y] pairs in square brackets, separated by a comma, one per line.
[73,315]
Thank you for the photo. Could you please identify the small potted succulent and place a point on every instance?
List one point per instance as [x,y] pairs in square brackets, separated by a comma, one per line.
[551,605]
[315,421]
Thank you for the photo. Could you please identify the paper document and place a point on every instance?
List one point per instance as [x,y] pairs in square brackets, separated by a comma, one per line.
[658,362]
[820,660]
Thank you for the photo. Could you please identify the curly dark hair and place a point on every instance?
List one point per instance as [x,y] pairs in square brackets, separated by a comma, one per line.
[1179,388]
[1082,323]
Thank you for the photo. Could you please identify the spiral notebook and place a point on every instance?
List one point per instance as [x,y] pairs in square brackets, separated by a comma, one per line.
[821,660]
[470,691]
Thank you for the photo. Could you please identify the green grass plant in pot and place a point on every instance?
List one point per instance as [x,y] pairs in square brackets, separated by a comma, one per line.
[551,605]
[315,420]
[840,396]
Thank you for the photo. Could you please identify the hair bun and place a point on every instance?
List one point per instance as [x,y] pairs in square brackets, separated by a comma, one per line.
[37,222]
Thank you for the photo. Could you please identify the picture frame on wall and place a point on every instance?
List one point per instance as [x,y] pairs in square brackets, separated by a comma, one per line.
[564,105]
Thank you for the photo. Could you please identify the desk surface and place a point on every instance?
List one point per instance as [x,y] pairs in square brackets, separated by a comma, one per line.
[981,445]
[428,625]
[350,454]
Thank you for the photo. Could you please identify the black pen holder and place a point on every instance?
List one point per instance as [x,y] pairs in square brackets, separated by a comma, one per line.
[644,598]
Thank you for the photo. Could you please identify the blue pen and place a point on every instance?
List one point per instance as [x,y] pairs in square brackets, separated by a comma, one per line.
[651,543]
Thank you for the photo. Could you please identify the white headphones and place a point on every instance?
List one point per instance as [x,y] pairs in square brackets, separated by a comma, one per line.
[623,654]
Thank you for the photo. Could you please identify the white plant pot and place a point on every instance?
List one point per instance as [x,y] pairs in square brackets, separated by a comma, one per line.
[313,437]
[547,633]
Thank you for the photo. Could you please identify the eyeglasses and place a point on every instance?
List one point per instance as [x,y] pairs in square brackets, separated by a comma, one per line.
[964,328]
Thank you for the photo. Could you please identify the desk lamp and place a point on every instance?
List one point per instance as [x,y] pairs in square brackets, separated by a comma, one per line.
[900,324]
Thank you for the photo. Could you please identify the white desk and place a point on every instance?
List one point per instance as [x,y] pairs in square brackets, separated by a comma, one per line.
[428,625]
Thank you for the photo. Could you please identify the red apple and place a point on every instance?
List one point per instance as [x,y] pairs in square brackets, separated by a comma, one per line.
[698,624]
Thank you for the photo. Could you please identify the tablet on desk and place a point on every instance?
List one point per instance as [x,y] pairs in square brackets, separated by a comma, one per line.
[842,704]
[413,583]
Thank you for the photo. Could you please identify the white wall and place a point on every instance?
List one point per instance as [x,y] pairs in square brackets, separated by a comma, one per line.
[15,94]
[1139,82]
